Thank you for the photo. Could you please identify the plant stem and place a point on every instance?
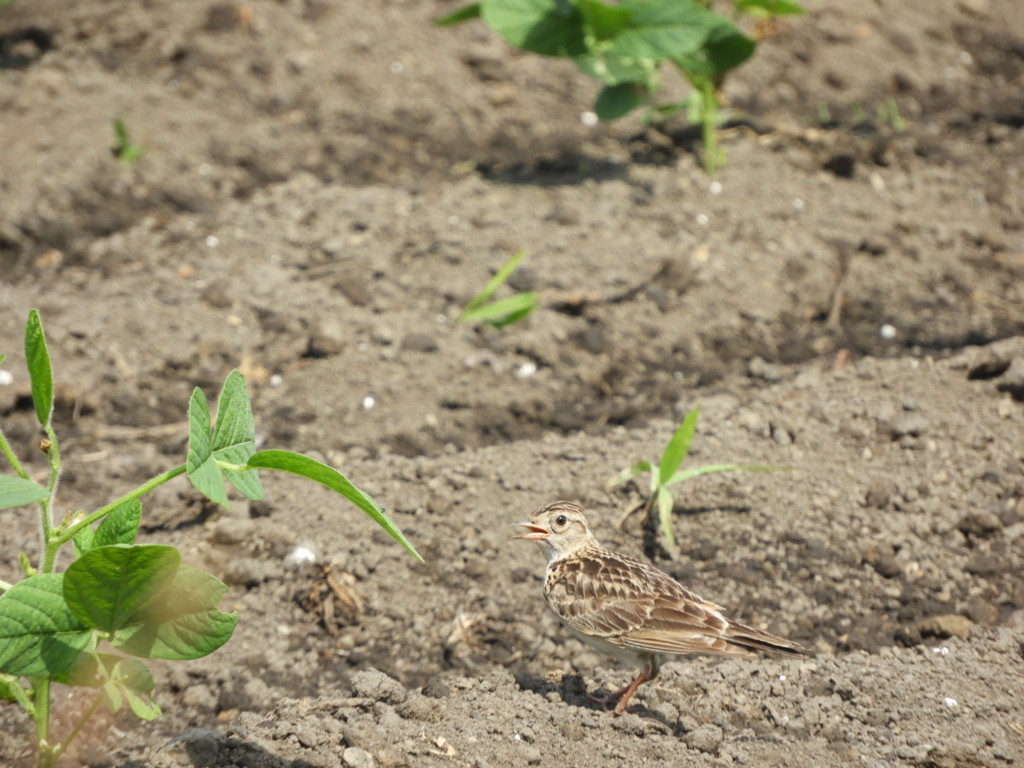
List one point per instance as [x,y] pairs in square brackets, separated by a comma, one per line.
[59,749]
[49,554]
[8,452]
[712,159]
[41,715]
[66,534]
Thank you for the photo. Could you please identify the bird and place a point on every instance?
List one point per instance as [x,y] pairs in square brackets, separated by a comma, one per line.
[628,608]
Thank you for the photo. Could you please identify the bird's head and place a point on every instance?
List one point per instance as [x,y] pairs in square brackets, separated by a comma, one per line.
[559,528]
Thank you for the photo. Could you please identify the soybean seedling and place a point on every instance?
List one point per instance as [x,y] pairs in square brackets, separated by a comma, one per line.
[124,148]
[624,44]
[138,600]
[502,312]
[666,473]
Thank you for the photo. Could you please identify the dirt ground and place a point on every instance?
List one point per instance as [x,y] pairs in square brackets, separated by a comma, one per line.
[324,185]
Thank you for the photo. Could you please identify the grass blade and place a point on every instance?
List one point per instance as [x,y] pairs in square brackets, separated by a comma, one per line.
[678,446]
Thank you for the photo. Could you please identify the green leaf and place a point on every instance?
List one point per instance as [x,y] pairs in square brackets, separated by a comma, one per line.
[84,540]
[297,464]
[687,474]
[234,434]
[678,447]
[628,474]
[465,13]
[547,27]
[8,684]
[493,284]
[37,357]
[183,623]
[108,586]
[611,69]
[502,312]
[725,48]
[614,101]
[39,635]
[200,465]
[767,9]
[142,705]
[602,20]
[665,505]
[121,526]
[16,491]
[661,29]
[2,358]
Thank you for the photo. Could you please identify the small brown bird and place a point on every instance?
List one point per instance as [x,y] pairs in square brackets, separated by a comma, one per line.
[627,608]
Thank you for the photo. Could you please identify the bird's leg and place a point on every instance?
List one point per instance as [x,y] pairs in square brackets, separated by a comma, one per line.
[646,674]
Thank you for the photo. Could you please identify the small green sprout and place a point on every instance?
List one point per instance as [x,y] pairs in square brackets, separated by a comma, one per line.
[667,473]
[124,148]
[502,312]
[140,600]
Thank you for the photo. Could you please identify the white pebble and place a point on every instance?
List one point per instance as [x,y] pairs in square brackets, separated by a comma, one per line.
[702,219]
[798,204]
[6,379]
[887,332]
[942,651]
[589,119]
[526,370]
[368,402]
[300,556]
[715,187]
[276,380]
[949,702]
[396,68]
[212,241]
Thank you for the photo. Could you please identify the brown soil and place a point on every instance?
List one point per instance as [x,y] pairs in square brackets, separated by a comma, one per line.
[323,189]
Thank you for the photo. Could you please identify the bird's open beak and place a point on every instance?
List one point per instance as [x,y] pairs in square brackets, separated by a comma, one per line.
[533,532]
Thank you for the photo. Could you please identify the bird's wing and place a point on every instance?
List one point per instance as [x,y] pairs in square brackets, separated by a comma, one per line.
[634,606]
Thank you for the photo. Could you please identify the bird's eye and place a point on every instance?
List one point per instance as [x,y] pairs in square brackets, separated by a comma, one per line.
[561,520]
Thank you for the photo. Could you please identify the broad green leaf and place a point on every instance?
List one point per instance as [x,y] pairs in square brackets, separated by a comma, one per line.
[142,704]
[200,465]
[112,695]
[297,464]
[687,474]
[614,101]
[614,70]
[548,27]
[16,491]
[39,635]
[725,48]
[121,526]
[183,623]
[661,29]
[107,586]
[665,505]
[84,540]
[2,358]
[37,358]
[678,447]
[234,434]
[628,474]
[464,13]
[603,21]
